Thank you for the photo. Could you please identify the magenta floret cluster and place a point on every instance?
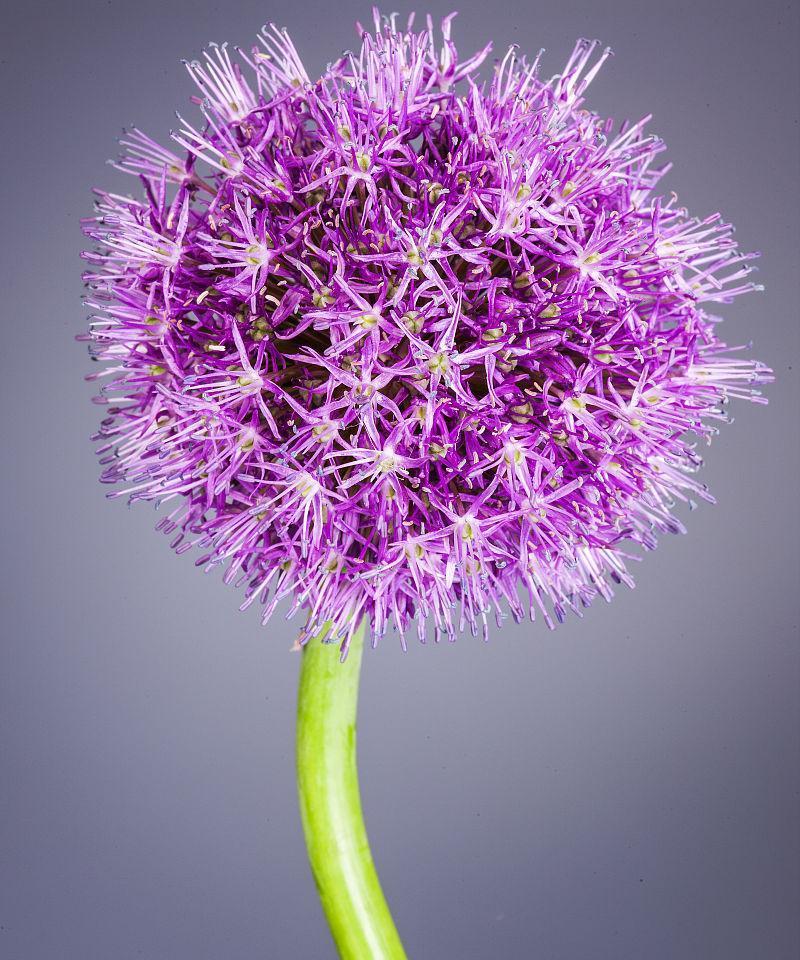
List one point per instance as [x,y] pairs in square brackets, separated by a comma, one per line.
[406,345]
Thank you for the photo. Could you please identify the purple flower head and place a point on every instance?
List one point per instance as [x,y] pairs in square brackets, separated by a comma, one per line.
[406,345]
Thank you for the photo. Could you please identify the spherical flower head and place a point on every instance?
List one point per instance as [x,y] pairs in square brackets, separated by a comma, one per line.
[404,345]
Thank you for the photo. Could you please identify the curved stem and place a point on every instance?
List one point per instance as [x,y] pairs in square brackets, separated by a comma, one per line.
[330,804]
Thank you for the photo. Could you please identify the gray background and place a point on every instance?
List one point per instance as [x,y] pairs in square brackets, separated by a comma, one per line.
[625,788]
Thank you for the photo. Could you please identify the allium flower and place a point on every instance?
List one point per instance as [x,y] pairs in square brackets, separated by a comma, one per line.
[406,346]
[402,346]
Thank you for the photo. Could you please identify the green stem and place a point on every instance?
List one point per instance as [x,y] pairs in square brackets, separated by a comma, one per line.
[330,804]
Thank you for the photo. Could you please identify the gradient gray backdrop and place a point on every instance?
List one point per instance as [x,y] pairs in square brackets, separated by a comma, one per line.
[623,789]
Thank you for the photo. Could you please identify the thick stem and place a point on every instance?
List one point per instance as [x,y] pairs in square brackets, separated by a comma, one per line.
[330,804]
